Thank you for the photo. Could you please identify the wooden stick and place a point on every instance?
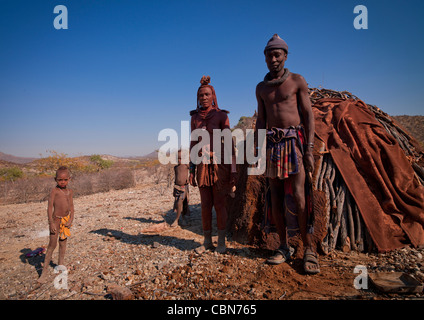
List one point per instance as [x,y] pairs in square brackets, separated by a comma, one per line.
[336,225]
[324,242]
[344,238]
[351,225]
[318,165]
[359,226]
[322,172]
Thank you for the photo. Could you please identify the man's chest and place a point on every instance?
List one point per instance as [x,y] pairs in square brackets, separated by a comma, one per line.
[279,94]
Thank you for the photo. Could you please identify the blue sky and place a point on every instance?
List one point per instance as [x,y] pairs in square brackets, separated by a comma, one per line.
[124,70]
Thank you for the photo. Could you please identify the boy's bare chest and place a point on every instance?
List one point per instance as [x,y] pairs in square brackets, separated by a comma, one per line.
[62,198]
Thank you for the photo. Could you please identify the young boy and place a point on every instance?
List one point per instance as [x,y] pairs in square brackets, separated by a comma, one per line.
[60,214]
[181,191]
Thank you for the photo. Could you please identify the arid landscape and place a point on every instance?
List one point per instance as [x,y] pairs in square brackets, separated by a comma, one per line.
[109,253]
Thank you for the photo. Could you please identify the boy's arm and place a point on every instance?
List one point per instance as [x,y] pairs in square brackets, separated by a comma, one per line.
[50,209]
[71,203]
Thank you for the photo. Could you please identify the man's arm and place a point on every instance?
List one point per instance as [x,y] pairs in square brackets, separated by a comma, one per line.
[304,104]
[261,119]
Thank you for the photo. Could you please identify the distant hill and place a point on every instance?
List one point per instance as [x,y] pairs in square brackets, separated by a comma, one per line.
[413,125]
[15,159]
[151,155]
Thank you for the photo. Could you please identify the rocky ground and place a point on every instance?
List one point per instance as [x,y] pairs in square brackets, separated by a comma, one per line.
[107,253]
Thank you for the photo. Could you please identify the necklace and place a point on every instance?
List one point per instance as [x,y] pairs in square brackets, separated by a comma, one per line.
[277,82]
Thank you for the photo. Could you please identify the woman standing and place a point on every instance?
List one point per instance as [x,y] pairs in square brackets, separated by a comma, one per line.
[215,178]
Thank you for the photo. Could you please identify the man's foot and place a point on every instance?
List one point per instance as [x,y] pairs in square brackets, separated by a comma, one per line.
[310,262]
[281,255]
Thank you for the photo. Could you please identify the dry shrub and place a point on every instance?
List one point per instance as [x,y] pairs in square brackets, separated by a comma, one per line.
[38,188]
[25,190]
[49,164]
[103,181]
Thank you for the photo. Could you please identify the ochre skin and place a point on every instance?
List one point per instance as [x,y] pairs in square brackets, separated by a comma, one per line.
[280,106]
[60,204]
[218,121]
[210,196]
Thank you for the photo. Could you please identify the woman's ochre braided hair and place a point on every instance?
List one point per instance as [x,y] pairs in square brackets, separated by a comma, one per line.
[204,82]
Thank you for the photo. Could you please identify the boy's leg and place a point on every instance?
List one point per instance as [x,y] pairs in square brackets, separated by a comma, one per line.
[62,251]
[50,249]
[179,210]
[185,213]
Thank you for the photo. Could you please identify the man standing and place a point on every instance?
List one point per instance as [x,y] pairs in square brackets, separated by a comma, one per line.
[284,110]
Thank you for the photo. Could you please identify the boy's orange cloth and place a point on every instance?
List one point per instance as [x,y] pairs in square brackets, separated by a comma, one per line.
[64,231]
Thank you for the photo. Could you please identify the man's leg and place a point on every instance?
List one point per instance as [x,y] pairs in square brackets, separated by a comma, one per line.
[284,252]
[276,187]
[298,184]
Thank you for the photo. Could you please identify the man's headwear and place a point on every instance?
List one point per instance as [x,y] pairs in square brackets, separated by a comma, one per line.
[276,43]
[204,82]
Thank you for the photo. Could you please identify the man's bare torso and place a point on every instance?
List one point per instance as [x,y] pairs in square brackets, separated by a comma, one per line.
[281,102]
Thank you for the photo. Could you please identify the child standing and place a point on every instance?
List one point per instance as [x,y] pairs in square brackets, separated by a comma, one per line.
[60,214]
[181,191]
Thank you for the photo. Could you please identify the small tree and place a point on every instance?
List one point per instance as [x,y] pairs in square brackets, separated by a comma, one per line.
[50,164]
[100,162]
[11,174]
